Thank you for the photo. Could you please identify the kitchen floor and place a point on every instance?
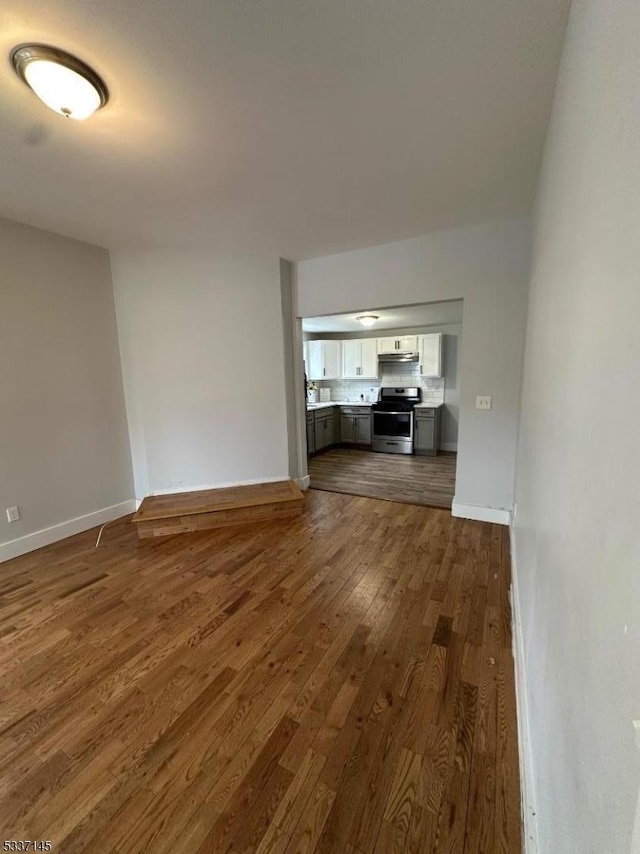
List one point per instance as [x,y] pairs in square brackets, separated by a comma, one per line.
[429,481]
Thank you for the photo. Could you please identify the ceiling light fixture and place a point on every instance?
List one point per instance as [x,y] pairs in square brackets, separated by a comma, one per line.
[62,81]
[367,319]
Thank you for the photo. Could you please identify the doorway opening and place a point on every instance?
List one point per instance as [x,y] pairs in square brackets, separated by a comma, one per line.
[382,402]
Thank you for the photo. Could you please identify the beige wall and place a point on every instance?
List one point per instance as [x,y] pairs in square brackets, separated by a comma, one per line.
[64,450]
[577,532]
[201,337]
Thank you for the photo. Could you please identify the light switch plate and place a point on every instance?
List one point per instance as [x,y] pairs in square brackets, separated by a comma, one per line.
[13,514]
[483,402]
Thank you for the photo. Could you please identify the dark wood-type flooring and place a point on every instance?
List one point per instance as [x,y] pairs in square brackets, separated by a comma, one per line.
[337,682]
[429,481]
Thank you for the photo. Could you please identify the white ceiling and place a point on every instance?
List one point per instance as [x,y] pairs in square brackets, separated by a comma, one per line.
[296,127]
[406,316]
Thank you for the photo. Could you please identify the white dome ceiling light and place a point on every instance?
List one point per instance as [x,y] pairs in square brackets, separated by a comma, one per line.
[63,82]
[367,319]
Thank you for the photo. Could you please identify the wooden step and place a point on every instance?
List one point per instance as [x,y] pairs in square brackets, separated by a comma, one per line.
[163,515]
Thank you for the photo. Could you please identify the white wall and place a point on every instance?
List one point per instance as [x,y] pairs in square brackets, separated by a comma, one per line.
[201,339]
[487,266]
[577,533]
[293,390]
[64,450]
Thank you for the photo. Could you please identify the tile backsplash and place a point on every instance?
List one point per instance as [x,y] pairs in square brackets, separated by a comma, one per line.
[392,375]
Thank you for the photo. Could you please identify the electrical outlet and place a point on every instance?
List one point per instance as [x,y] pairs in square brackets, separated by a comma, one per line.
[13,514]
[483,402]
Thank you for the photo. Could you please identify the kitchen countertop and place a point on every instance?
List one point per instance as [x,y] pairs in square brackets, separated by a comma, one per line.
[312,407]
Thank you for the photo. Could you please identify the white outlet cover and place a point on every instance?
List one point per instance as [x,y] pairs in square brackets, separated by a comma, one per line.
[13,514]
[483,402]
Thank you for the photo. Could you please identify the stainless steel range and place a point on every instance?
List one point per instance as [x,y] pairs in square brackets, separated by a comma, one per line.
[393,420]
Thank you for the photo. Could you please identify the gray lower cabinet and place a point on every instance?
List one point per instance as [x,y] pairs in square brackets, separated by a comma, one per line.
[346,428]
[336,424]
[324,430]
[311,434]
[326,427]
[363,429]
[426,438]
[355,425]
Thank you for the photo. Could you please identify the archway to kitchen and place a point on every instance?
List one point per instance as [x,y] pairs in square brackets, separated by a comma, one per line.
[382,401]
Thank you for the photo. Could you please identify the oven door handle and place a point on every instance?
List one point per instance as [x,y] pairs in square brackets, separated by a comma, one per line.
[383,412]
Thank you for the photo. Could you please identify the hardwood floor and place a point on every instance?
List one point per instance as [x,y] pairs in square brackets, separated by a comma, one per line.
[429,481]
[337,682]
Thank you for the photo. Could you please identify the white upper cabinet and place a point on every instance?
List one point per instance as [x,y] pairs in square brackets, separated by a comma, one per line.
[332,350]
[369,358]
[324,360]
[430,350]
[408,343]
[350,358]
[387,345]
[402,344]
[315,360]
[359,358]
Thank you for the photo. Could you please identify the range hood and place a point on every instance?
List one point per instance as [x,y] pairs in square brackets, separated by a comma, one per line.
[398,357]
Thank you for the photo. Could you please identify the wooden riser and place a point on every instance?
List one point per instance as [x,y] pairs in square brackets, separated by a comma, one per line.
[215,519]
[166,515]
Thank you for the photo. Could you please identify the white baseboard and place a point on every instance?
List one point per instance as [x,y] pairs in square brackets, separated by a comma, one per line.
[303,482]
[481,514]
[174,490]
[31,542]
[528,806]
[449,446]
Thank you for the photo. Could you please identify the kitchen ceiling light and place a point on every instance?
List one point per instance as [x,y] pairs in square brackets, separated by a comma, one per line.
[367,319]
[60,80]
